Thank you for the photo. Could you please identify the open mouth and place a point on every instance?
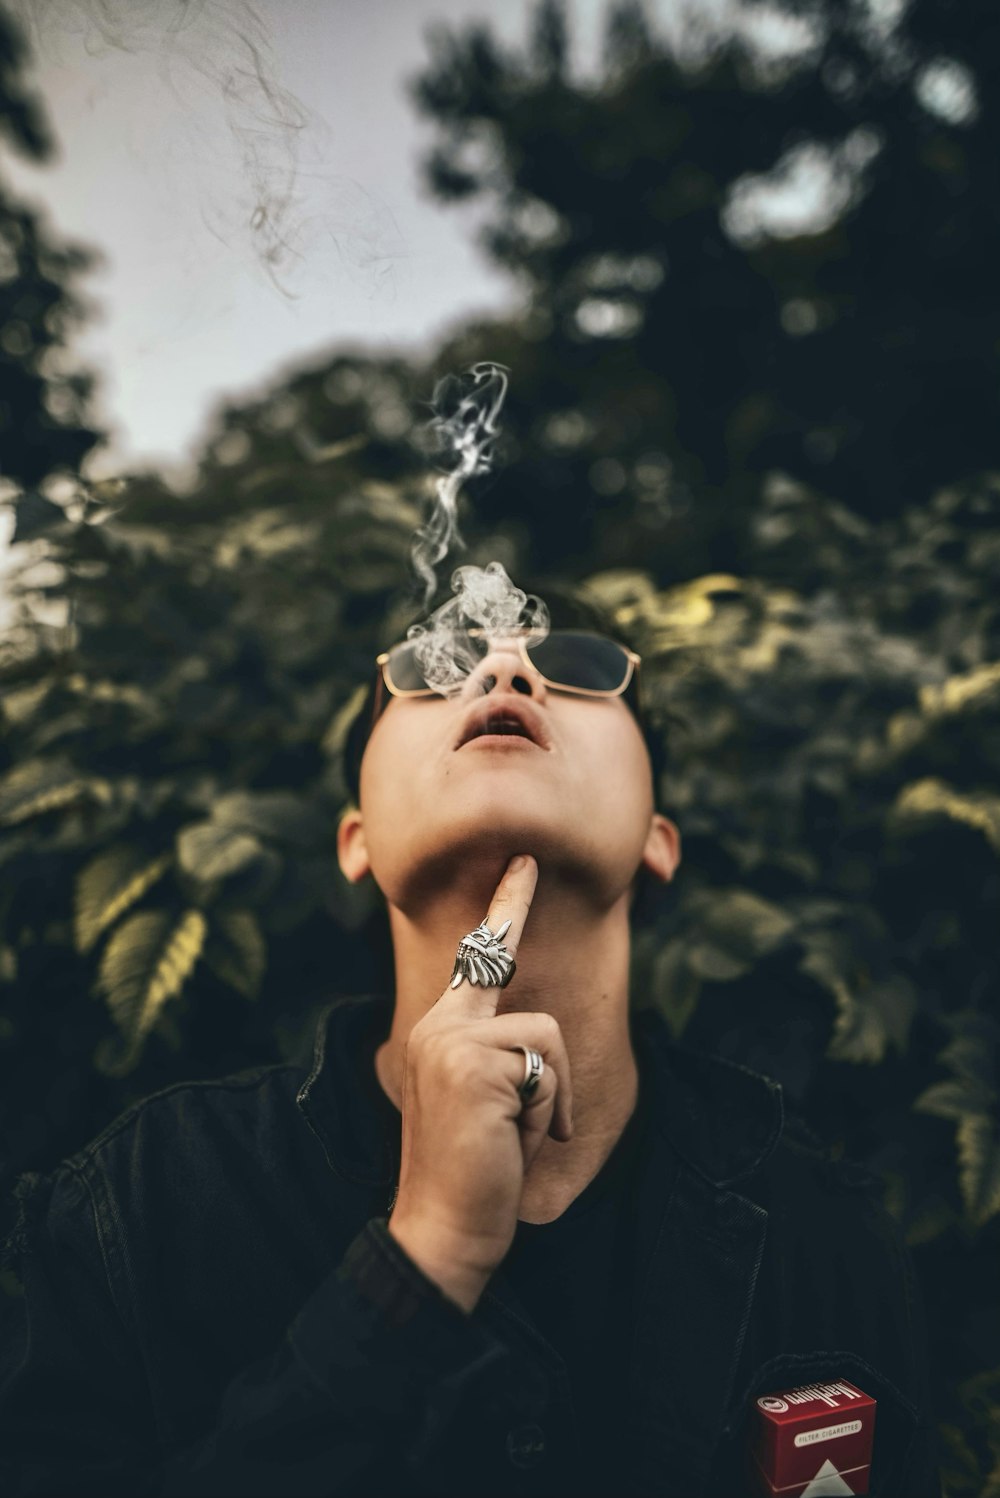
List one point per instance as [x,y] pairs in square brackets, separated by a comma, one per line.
[499,728]
[509,723]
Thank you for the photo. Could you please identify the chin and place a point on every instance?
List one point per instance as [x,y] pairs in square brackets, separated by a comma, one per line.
[473,854]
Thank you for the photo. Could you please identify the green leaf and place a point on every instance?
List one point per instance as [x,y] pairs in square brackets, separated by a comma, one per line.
[257,883]
[674,987]
[278,816]
[109,885]
[715,964]
[146,962]
[969,1097]
[930,798]
[820,963]
[971,691]
[731,929]
[870,1017]
[960,1470]
[971,1053]
[42,785]
[955,1098]
[621,588]
[979,1166]
[237,951]
[210,851]
[21,705]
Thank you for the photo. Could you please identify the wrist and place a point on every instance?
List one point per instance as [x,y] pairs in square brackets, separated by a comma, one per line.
[441,1261]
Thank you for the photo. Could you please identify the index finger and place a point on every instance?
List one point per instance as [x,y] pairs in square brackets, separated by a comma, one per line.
[506,919]
[512,900]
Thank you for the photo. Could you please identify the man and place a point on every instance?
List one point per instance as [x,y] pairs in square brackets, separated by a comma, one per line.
[504,1238]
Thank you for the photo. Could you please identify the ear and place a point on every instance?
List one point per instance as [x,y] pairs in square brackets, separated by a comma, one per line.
[662,852]
[352,850]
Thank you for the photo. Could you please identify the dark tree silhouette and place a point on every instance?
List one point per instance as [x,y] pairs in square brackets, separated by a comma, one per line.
[44,423]
[683,343]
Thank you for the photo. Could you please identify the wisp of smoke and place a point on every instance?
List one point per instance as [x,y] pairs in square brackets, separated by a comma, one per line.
[286,209]
[466,425]
[485,598]
[466,413]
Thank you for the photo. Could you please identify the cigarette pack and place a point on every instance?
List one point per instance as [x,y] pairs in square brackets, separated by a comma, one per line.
[813,1441]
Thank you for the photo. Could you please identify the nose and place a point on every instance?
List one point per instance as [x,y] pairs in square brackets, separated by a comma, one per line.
[503,670]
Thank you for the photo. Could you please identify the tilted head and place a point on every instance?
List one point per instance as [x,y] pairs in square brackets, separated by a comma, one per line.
[569,772]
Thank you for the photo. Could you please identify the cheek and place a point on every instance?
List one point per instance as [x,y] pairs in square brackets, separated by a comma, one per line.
[402,742]
[618,764]
[627,792]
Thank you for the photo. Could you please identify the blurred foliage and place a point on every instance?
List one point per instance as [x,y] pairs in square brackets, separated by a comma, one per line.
[818,615]
[689,326]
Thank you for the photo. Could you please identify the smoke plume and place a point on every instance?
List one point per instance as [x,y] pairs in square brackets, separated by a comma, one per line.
[485,598]
[465,426]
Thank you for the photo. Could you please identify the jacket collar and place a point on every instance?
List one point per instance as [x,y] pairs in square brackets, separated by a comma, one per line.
[721,1118]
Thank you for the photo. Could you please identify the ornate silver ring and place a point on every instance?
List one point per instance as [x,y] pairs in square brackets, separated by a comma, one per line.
[483,959]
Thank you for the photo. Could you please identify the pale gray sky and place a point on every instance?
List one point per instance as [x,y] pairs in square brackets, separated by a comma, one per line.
[164,142]
[155,170]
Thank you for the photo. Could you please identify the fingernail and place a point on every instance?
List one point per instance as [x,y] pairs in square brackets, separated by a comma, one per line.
[517,862]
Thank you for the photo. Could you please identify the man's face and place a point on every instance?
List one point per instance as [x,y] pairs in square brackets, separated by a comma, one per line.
[580,799]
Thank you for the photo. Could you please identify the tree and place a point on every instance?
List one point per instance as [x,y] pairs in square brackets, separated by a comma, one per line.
[683,342]
[44,426]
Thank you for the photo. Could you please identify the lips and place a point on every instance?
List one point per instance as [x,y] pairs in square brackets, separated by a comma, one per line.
[504,715]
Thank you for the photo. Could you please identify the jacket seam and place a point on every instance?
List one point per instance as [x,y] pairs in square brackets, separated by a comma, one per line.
[102,1243]
[199,1084]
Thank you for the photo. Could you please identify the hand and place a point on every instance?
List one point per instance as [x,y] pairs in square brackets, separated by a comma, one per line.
[468,1136]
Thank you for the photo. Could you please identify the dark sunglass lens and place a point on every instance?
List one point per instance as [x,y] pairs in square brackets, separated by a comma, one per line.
[575,658]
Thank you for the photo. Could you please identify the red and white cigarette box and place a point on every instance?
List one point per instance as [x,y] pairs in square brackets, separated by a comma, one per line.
[814,1440]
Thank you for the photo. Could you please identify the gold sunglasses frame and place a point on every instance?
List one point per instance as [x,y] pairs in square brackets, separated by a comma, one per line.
[634,661]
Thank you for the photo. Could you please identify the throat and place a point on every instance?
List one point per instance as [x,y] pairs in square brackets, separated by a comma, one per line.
[553,1183]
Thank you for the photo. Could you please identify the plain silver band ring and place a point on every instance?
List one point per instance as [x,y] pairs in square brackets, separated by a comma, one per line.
[533,1068]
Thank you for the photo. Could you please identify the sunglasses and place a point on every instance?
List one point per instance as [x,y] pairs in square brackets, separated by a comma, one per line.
[568,660]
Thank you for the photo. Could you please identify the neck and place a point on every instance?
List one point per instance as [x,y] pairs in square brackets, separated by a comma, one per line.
[572,963]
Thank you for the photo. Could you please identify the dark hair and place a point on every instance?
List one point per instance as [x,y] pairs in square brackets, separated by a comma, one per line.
[567,610]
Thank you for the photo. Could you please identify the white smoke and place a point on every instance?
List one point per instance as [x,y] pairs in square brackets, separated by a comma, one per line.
[231,133]
[466,426]
[466,413]
[485,598]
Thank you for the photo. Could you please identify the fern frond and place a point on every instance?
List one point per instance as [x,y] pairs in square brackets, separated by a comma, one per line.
[40,785]
[109,885]
[146,962]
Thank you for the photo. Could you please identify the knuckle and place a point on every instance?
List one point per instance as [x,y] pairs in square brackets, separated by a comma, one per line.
[548,1027]
[445,1062]
[416,1043]
[454,1065]
[425,1047]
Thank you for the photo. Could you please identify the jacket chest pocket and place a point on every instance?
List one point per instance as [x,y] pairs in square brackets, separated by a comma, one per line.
[902,1455]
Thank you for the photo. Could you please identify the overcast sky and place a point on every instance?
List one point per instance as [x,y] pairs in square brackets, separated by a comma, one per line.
[159,169]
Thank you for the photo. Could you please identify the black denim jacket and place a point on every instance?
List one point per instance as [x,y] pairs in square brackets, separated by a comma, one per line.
[213,1304]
